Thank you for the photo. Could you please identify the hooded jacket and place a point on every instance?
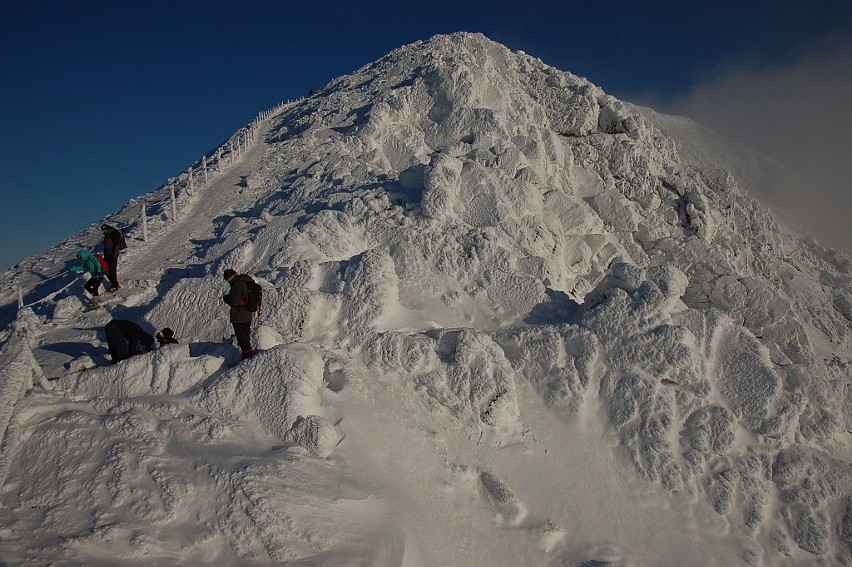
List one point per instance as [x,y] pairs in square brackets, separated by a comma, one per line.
[237,298]
[88,264]
[111,244]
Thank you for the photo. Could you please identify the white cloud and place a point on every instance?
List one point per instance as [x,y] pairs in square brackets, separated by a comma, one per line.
[798,113]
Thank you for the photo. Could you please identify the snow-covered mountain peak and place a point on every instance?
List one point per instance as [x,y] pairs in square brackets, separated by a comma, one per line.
[532,292]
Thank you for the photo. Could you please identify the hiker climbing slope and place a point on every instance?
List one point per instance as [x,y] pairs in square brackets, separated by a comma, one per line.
[243,307]
[90,264]
[114,243]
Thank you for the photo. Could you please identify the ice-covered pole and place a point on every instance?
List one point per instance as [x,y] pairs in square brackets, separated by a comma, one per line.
[204,167]
[144,220]
[190,184]
[174,202]
[20,297]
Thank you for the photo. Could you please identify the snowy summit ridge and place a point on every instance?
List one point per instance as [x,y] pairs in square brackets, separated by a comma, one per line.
[506,321]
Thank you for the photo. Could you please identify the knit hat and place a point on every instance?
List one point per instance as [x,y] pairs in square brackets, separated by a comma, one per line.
[229,273]
[166,336]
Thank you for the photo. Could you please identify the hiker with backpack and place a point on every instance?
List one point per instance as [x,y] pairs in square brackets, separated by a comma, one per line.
[92,264]
[114,243]
[244,300]
[124,339]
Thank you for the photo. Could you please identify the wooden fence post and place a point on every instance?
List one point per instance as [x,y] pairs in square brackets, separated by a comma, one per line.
[190,184]
[204,167]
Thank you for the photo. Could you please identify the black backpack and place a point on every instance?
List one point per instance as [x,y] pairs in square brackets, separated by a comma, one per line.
[122,239]
[254,295]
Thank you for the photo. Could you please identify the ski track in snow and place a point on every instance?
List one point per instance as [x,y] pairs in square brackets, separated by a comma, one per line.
[507,321]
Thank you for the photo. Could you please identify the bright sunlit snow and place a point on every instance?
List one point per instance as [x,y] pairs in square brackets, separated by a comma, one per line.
[508,320]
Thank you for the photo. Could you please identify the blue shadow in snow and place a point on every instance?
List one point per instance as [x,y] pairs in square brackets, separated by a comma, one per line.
[558,309]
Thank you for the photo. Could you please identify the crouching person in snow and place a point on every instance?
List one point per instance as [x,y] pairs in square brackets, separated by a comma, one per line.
[240,316]
[125,339]
[89,264]
[166,337]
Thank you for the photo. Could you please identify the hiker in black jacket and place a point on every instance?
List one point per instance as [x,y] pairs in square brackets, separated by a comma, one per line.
[240,316]
[112,249]
[124,339]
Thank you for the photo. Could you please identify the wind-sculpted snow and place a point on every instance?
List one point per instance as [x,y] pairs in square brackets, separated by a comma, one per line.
[460,370]
[194,307]
[139,499]
[559,360]
[276,391]
[661,378]
[20,372]
[464,253]
[809,485]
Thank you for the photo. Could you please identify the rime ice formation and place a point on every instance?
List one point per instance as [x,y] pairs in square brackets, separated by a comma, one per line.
[506,321]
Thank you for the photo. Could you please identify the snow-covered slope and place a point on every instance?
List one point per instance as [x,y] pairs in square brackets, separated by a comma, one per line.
[508,320]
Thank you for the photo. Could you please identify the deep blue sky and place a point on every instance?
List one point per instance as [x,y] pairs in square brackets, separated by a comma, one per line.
[104,101]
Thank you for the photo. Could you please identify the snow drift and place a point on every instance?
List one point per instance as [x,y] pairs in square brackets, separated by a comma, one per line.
[497,298]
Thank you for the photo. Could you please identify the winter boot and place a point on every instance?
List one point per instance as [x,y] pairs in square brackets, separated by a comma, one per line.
[247,353]
[96,303]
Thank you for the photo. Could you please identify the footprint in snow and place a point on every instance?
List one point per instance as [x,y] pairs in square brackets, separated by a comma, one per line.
[510,510]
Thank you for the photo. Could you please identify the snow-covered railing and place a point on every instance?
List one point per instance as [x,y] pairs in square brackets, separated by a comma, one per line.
[20,372]
[207,167]
[202,171]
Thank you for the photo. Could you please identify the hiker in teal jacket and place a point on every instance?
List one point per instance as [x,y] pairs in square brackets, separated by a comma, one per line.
[89,264]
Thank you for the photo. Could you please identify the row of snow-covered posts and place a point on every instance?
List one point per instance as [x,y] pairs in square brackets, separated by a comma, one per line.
[202,171]
[205,169]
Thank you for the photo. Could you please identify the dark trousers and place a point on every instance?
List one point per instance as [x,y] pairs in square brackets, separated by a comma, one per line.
[93,285]
[112,270]
[118,347]
[243,334]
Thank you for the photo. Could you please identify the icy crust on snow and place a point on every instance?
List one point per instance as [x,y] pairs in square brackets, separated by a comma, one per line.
[202,305]
[20,372]
[277,391]
[559,360]
[233,504]
[453,219]
[169,370]
[463,371]
[495,191]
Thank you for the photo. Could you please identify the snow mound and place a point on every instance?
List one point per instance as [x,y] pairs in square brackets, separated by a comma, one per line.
[20,373]
[277,390]
[169,370]
[462,371]
[467,257]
